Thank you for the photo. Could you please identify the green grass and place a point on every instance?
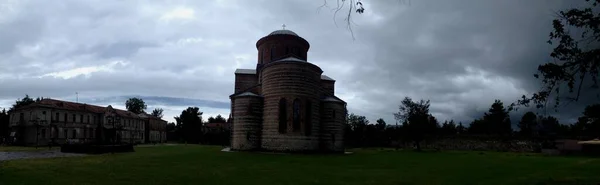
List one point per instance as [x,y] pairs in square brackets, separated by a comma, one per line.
[207,165]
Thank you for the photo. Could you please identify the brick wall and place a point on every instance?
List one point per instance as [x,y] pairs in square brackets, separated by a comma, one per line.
[247,118]
[245,81]
[333,118]
[328,87]
[291,80]
[281,46]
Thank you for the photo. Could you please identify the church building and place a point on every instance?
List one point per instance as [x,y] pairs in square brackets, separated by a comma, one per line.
[286,104]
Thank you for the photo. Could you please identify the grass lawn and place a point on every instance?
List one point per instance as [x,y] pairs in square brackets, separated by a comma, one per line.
[194,164]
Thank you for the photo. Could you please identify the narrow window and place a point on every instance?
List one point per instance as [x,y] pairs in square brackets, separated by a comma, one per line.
[308,121]
[43,133]
[44,112]
[287,50]
[74,117]
[282,116]
[74,133]
[260,57]
[57,116]
[66,133]
[65,117]
[89,119]
[296,115]
[272,53]
[81,118]
[295,52]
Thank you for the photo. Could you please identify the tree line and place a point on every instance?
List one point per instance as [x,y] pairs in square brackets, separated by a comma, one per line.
[415,123]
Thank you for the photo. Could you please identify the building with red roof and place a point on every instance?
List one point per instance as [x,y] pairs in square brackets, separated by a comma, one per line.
[57,121]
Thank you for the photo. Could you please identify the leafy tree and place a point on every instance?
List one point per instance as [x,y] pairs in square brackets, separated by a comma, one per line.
[527,124]
[191,124]
[357,122]
[220,119]
[23,102]
[590,121]
[479,127]
[497,119]
[419,122]
[4,119]
[460,129]
[381,125]
[449,128]
[548,126]
[135,105]
[356,129]
[577,31]
[157,112]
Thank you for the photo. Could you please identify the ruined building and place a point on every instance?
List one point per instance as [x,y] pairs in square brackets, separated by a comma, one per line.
[286,104]
[59,122]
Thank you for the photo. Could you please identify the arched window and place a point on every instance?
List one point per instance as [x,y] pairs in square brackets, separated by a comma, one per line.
[272,53]
[296,52]
[260,57]
[296,115]
[308,117]
[282,116]
[333,116]
[287,50]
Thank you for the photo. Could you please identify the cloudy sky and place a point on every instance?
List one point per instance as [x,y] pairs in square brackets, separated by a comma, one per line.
[460,54]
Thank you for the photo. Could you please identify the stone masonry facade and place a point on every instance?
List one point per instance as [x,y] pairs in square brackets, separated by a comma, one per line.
[286,104]
[55,121]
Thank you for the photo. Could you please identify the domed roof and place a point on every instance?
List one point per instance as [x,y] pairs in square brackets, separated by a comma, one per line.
[283,32]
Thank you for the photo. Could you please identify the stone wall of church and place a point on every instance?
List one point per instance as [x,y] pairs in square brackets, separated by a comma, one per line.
[245,81]
[247,118]
[333,118]
[328,87]
[275,47]
[291,81]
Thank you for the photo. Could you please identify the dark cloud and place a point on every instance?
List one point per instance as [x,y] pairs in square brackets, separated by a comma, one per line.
[462,55]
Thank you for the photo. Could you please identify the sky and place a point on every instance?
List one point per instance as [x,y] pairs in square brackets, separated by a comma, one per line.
[460,54]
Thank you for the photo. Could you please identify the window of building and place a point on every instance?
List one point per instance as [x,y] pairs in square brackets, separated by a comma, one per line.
[43,133]
[57,116]
[74,117]
[308,117]
[74,133]
[272,53]
[21,117]
[81,118]
[65,117]
[260,57]
[282,116]
[296,115]
[333,114]
[66,133]
[88,116]
[44,112]
[287,50]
